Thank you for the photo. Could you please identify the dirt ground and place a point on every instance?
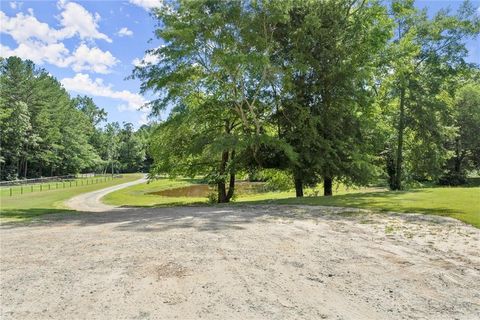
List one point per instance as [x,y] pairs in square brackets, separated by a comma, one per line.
[240,262]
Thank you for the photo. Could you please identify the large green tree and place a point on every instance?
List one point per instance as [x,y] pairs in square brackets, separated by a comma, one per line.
[329,51]
[216,56]
[424,54]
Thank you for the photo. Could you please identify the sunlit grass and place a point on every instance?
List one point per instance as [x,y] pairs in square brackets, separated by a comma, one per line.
[462,203]
[141,195]
[32,204]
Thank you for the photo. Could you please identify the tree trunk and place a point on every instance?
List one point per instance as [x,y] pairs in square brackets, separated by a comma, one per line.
[222,193]
[397,185]
[458,159]
[298,187]
[327,186]
[26,167]
[231,184]
[231,187]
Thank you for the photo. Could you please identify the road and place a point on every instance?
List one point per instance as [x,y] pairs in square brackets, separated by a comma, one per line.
[239,262]
[90,202]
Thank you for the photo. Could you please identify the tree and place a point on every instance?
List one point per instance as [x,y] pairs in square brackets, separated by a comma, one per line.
[328,54]
[112,141]
[43,131]
[95,114]
[216,56]
[424,53]
[464,144]
[131,154]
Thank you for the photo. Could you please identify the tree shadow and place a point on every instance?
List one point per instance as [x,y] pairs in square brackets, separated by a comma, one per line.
[203,218]
[380,201]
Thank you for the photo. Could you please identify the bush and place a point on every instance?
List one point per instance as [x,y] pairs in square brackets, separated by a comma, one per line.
[276,180]
[453,179]
[212,198]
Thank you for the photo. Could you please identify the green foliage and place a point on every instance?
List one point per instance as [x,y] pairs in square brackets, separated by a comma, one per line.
[329,50]
[44,132]
[276,180]
[464,144]
[424,58]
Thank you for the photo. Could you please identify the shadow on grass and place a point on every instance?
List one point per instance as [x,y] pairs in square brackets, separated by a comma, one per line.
[15,216]
[377,201]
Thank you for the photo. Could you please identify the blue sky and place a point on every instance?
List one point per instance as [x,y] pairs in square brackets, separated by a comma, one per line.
[92,46]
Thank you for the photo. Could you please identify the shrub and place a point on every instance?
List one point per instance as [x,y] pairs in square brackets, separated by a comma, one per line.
[276,180]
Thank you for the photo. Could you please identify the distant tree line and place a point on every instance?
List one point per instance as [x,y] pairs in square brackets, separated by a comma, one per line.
[45,132]
[349,91]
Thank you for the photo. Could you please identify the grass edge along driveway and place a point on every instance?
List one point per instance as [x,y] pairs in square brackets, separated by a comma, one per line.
[30,205]
[462,203]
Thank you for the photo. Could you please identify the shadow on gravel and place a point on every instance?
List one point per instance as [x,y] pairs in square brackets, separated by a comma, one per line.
[212,218]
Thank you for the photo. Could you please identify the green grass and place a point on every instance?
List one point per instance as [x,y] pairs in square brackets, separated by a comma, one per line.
[139,195]
[462,203]
[459,202]
[18,190]
[33,204]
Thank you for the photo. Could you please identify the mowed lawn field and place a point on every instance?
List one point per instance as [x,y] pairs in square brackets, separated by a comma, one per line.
[462,203]
[32,204]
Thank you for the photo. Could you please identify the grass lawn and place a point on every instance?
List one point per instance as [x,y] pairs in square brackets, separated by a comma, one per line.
[139,195]
[32,204]
[462,203]
[18,190]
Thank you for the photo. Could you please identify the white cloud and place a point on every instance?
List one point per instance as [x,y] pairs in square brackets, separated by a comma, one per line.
[148,58]
[143,119]
[26,27]
[38,52]
[76,20]
[91,59]
[82,59]
[82,83]
[124,32]
[147,4]
[41,43]
[13,5]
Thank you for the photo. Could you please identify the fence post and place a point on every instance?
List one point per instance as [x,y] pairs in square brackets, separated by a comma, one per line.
[40,187]
[21,189]
[70,183]
[56,185]
[49,187]
[63,184]
[31,188]
[76,183]
[10,191]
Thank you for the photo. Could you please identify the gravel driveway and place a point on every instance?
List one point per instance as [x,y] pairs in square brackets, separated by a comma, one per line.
[90,201]
[240,262]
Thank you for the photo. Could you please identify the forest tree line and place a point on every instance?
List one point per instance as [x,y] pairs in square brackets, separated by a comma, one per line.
[328,91]
[45,132]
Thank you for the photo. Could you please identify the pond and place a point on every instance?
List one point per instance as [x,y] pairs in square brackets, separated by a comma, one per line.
[203,190]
